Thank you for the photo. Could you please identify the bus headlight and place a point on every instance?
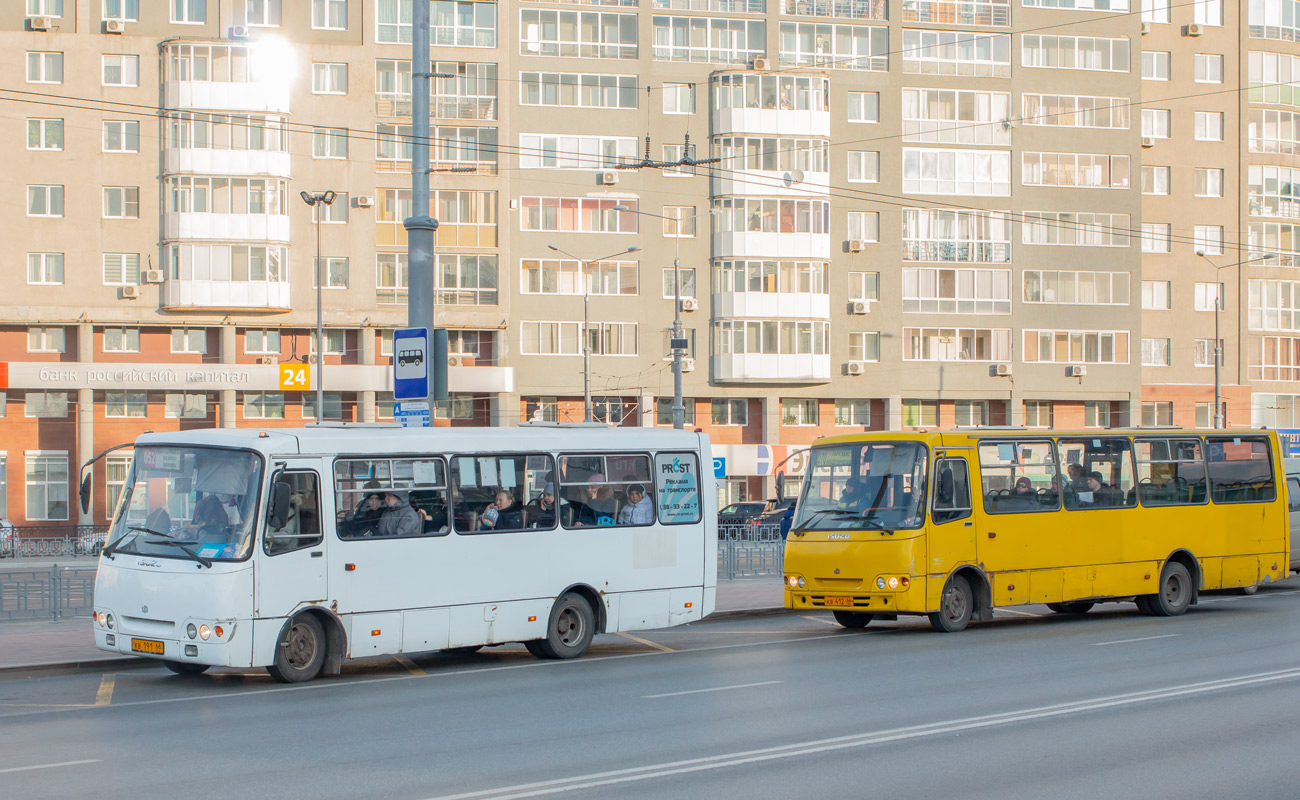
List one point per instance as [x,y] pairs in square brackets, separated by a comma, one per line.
[892,582]
[204,632]
[109,621]
[99,618]
[794,581]
[191,631]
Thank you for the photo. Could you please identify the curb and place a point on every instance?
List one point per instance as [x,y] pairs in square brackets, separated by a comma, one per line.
[74,667]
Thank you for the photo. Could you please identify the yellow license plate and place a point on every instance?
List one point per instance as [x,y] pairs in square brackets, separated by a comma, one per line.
[839,601]
[147,646]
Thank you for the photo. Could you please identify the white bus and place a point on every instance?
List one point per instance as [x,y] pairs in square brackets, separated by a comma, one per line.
[297,548]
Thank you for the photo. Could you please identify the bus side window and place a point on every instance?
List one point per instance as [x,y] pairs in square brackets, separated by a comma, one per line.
[302,527]
[951,490]
[1293,493]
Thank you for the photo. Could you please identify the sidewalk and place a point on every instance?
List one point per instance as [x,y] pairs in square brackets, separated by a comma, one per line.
[42,644]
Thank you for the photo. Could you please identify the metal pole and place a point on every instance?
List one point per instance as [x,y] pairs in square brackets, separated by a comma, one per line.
[320,326]
[586,344]
[679,411]
[1218,354]
[420,226]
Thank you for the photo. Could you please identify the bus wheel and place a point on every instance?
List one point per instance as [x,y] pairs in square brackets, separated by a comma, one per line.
[1143,602]
[853,619]
[301,653]
[185,668]
[1077,607]
[1175,593]
[1246,590]
[569,632]
[955,606]
[534,646]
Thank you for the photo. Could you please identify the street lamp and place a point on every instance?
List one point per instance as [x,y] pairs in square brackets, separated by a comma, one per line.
[1218,343]
[586,305]
[324,199]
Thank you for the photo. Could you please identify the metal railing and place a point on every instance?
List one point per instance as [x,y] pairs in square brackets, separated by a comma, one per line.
[52,592]
[747,551]
[52,541]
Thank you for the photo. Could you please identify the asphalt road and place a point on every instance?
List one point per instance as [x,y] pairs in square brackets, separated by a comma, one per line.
[1032,705]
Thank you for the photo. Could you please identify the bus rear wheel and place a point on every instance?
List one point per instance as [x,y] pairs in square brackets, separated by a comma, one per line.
[1176,591]
[185,668]
[300,653]
[853,619]
[955,606]
[1076,607]
[569,630]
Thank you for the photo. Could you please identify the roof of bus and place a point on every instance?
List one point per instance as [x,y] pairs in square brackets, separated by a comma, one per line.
[953,437]
[382,438]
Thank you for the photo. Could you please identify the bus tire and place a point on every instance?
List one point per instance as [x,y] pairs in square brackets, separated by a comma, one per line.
[1075,607]
[300,653]
[853,619]
[570,628]
[1143,602]
[1176,591]
[185,668]
[1246,590]
[534,646]
[955,606]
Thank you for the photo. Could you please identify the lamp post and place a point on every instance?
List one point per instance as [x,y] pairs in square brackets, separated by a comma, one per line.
[586,307]
[1218,343]
[313,200]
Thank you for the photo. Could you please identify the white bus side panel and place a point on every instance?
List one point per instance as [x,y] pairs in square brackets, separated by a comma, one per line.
[425,629]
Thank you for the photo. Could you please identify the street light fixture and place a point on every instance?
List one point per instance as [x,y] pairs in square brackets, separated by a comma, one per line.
[324,199]
[1218,343]
[586,307]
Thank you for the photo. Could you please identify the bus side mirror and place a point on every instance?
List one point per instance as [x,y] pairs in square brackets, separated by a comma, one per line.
[84,493]
[280,504]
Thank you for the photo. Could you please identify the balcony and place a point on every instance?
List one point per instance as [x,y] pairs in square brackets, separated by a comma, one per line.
[770,183]
[755,244]
[256,97]
[773,121]
[209,161]
[226,227]
[223,294]
[772,305]
[764,368]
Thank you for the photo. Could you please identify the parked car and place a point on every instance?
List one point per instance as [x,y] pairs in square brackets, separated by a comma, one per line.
[7,539]
[742,513]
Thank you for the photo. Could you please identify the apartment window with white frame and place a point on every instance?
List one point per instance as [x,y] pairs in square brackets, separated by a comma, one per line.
[970,413]
[44,67]
[384,405]
[571,277]
[729,412]
[864,226]
[1274,305]
[1038,413]
[46,339]
[679,222]
[587,90]
[940,290]
[1074,228]
[45,405]
[920,413]
[1157,414]
[1076,287]
[1155,237]
[1203,352]
[956,116]
[1096,414]
[1209,12]
[1155,180]
[121,136]
[45,8]
[799,411]
[1076,111]
[864,166]
[1092,53]
[335,213]
[190,340]
[942,52]
[335,342]
[262,341]
[329,15]
[1075,347]
[956,344]
[1206,296]
[121,202]
[1209,126]
[674,154]
[45,269]
[263,405]
[121,340]
[1273,77]
[981,173]
[576,34]
[333,405]
[852,413]
[545,409]
[329,143]
[1156,11]
[857,47]
[1155,123]
[688,283]
[1155,65]
[1155,295]
[121,70]
[329,78]
[1205,415]
[124,10]
[121,269]
[385,343]
[335,271]
[563,151]
[864,286]
[46,485]
[116,468]
[45,201]
[679,98]
[45,134]
[1208,239]
[864,107]
[565,338]
[1077,170]
[1209,182]
[126,404]
[1208,68]
[262,13]
[864,346]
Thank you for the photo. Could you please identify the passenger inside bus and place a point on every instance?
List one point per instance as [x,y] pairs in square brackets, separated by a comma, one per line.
[540,513]
[399,518]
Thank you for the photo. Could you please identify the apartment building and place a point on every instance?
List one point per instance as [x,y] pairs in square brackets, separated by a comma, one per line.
[888,214]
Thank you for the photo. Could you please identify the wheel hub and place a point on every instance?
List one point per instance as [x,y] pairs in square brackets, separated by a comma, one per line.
[300,646]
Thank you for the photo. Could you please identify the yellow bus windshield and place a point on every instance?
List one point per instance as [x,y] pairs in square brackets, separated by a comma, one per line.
[873,485]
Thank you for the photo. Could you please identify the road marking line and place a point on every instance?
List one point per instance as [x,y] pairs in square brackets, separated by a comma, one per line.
[714,689]
[1142,639]
[1014,611]
[105,694]
[647,642]
[812,747]
[51,766]
[822,620]
[409,664]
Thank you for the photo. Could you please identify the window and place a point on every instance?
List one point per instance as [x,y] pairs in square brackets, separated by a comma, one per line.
[1208,68]
[185,405]
[189,340]
[1099,472]
[121,340]
[44,201]
[688,283]
[956,344]
[1076,111]
[1274,305]
[121,70]
[44,67]
[956,291]
[44,134]
[864,167]
[335,271]
[46,405]
[46,340]
[553,151]
[730,412]
[1074,52]
[121,269]
[335,342]
[45,8]
[263,405]
[1209,126]
[1079,229]
[1208,239]
[1038,413]
[948,116]
[360,486]
[864,107]
[329,78]
[1084,288]
[330,143]
[1155,123]
[802,277]
[121,136]
[45,268]
[704,39]
[333,405]
[1155,295]
[1274,191]
[920,413]
[586,90]
[47,485]
[1240,470]
[834,46]
[576,214]
[939,52]
[853,413]
[460,23]
[1155,352]
[1205,415]
[1080,5]
[1155,180]
[541,409]
[1207,296]
[798,412]
[1155,65]
[335,213]
[664,411]
[1203,355]
[1075,347]
[772,337]
[679,221]
[121,202]
[675,154]
[971,413]
[189,12]
[612,410]
[961,172]
[864,286]
[1096,414]
[329,15]
[466,279]
[614,490]
[384,403]
[1171,471]
[864,226]
[1209,182]
[262,342]
[1156,11]
[564,338]
[1079,170]
[564,276]
[1157,414]
[582,34]
[262,13]
[1273,78]
[1208,12]
[679,98]
[125,10]
[1155,237]
[125,404]
[116,468]
[864,346]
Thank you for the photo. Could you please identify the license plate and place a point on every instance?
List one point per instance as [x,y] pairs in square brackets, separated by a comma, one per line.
[839,601]
[147,646]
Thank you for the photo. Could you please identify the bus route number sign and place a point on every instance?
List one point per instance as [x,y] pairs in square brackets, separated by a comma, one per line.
[295,377]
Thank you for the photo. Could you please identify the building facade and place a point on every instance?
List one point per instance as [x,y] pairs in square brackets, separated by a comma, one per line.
[887,214]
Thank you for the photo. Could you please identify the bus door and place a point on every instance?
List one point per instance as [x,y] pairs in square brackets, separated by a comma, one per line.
[1021,489]
[291,568]
[951,541]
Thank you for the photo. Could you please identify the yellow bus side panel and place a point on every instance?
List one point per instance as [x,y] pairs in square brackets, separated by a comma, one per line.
[1046,585]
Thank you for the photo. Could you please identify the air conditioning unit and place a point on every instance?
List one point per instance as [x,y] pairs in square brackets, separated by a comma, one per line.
[690,304]
[856,367]
[1148,141]
[1192,30]
[1001,370]
[760,63]
[153,276]
[237,32]
[1145,28]
[128,292]
[114,26]
[855,245]
[453,361]
[363,201]
[859,307]
[607,178]
[1076,371]
[688,364]
[40,23]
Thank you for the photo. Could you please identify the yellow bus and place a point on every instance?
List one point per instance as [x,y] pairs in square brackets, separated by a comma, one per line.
[953,524]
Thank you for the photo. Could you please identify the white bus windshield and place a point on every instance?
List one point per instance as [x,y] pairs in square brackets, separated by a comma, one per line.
[195,503]
[876,486]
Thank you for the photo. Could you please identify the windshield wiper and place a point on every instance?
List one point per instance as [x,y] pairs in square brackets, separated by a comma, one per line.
[112,548]
[816,515]
[179,545]
[876,525]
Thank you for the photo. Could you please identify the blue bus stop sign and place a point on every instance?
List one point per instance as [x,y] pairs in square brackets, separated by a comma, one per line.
[410,364]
